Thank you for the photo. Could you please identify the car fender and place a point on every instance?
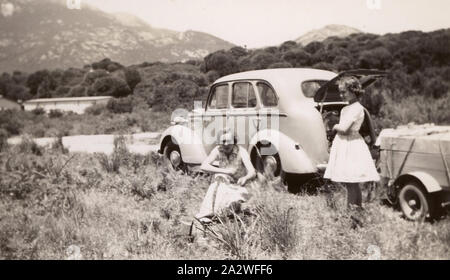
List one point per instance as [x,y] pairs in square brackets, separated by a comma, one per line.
[428,181]
[189,142]
[293,159]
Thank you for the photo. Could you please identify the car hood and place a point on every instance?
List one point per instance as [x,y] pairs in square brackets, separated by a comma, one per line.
[329,91]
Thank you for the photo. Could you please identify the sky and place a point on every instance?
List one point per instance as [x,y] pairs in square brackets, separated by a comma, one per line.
[259,23]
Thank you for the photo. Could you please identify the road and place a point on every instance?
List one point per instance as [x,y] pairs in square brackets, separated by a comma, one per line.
[140,143]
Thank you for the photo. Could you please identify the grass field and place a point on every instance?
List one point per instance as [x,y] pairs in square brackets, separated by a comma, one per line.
[126,206]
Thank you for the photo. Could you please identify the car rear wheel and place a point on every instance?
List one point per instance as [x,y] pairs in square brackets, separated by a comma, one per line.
[415,202]
[173,157]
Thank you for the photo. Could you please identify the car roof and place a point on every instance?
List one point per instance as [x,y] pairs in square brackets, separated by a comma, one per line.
[270,75]
[285,81]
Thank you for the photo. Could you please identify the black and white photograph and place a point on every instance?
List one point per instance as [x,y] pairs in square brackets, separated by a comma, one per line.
[225,130]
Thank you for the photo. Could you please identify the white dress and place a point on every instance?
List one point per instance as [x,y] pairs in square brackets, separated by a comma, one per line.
[350,159]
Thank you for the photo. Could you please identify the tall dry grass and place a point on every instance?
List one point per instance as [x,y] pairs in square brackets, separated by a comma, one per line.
[53,202]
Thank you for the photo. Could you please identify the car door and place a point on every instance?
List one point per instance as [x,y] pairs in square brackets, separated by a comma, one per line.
[269,115]
[243,113]
[214,118]
[328,92]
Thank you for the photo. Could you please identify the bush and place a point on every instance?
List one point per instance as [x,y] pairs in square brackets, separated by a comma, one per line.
[3,139]
[119,157]
[11,122]
[55,113]
[38,111]
[78,91]
[132,77]
[436,88]
[111,86]
[280,65]
[262,60]
[28,146]
[221,62]
[120,105]
[95,110]
[298,58]
[92,76]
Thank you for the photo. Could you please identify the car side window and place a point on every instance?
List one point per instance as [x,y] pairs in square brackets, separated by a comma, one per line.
[219,98]
[310,88]
[267,95]
[243,95]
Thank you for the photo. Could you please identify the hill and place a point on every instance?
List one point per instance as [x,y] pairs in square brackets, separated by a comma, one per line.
[46,34]
[325,32]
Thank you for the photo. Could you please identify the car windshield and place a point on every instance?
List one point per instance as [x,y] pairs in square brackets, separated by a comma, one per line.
[309,88]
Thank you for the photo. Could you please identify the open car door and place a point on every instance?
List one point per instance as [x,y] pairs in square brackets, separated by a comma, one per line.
[328,94]
[329,91]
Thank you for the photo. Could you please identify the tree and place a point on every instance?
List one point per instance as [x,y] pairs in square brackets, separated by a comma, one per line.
[436,88]
[221,62]
[237,52]
[297,58]
[288,45]
[120,105]
[262,60]
[343,63]
[132,77]
[313,47]
[46,87]
[111,86]
[107,64]
[92,76]
[282,64]
[35,80]
[378,58]
[324,66]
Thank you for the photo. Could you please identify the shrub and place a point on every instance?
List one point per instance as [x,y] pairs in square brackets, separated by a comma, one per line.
[436,88]
[212,76]
[11,122]
[221,62]
[111,86]
[120,105]
[278,229]
[120,156]
[28,146]
[92,76]
[55,113]
[35,80]
[77,91]
[298,58]
[95,110]
[262,60]
[280,65]
[132,77]
[38,111]
[3,139]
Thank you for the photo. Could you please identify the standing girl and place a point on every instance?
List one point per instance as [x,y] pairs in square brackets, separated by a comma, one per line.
[350,160]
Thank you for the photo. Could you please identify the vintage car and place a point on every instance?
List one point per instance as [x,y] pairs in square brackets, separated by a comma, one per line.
[279,115]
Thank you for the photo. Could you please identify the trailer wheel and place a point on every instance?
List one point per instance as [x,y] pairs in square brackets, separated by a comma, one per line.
[415,203]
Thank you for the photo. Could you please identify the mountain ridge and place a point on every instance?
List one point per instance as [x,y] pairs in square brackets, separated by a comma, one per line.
[47,35]
[329,30]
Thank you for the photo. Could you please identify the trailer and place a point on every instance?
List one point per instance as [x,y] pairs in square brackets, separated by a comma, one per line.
[414,167]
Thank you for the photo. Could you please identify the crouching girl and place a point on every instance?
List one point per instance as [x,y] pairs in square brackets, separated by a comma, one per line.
[233,172]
